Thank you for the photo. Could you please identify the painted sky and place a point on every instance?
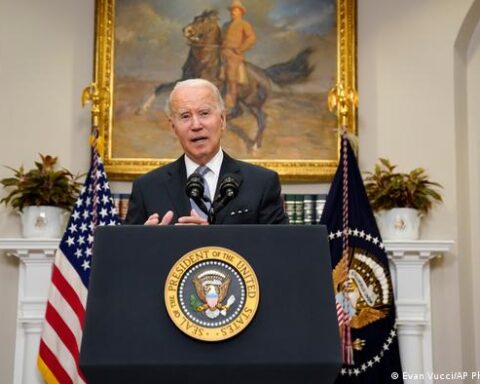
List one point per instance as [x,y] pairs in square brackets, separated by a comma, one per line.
[149,43]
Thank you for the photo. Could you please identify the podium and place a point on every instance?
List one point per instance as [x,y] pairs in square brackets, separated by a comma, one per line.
[130,338]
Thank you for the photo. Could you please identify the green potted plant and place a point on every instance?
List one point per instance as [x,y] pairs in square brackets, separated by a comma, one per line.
[42,196]
[400,199]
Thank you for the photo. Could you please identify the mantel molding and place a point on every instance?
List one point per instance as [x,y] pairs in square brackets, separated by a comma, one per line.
[423,246]
[21,244]
[427,248]
[29,250]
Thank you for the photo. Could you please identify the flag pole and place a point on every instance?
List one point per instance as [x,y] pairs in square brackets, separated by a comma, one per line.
[59,350]
[362,284]
[344,100]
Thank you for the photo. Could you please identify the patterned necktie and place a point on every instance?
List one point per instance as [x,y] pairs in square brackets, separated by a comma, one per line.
[202,171]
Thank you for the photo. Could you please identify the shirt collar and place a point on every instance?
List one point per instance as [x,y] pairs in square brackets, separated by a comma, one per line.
[214,164]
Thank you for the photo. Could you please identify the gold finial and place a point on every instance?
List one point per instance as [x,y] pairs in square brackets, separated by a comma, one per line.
[92,95]
[343,99]
[95,97]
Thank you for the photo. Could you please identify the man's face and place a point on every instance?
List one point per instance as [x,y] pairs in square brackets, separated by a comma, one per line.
[236,13]
[198,122]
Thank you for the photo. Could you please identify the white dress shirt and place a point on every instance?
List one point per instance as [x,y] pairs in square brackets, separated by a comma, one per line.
[211,177]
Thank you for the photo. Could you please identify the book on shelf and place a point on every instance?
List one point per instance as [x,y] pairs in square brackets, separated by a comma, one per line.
[304,209]
[121,204]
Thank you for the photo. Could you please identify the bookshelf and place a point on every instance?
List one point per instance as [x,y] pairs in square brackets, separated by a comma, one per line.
[301,209]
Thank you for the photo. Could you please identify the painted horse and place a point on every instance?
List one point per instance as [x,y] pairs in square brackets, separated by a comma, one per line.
[203,36]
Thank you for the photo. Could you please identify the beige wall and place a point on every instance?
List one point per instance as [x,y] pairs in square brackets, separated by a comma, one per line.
[415,110]
[469,170]
[46,50]
[418,84]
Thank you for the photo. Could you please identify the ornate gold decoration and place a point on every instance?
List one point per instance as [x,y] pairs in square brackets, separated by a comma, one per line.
[344,100]
[362,282]
[289,171]
[98,99]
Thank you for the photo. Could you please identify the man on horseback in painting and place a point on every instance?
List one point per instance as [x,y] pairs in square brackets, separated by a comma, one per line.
[238,37]
[246,86]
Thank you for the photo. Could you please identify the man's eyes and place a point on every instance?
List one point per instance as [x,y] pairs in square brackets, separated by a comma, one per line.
[187,116]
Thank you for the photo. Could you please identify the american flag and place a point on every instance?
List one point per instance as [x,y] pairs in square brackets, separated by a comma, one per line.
[59,353]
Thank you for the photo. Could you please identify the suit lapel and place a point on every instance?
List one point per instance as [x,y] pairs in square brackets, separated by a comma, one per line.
[177,177]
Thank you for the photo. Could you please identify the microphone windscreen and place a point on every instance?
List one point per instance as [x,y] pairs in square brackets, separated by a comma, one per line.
[194,186]
[230,185]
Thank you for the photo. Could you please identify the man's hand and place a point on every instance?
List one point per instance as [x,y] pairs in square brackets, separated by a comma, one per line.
[155,219]
[193,219]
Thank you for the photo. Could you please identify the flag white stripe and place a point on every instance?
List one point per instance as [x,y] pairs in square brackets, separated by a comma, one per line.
[63,355]
[71,276]
[66,312]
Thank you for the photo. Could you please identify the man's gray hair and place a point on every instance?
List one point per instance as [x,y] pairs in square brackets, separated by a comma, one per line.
[195,83]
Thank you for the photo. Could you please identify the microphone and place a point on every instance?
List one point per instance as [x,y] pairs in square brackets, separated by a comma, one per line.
[194,189]
[229,187]
[227,191]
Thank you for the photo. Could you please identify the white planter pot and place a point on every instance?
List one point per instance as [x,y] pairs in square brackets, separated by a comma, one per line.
[399,224]
[43,222]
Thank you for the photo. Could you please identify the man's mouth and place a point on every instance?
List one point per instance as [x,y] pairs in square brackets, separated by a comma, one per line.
[199,139]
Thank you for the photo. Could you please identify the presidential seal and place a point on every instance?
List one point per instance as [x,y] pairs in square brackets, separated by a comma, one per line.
[211,293]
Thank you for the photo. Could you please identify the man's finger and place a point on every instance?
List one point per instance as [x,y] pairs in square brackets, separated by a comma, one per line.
[193,219]
[194,213]
[152,219]
[167,218]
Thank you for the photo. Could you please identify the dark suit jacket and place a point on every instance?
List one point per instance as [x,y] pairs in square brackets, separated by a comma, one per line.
[258,201]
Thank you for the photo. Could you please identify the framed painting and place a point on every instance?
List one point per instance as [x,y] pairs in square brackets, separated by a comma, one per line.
[280,120]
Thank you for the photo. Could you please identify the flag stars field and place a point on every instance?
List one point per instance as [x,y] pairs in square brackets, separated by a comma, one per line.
[86,265]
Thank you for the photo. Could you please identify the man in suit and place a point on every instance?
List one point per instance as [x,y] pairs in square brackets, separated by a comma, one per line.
[197,117]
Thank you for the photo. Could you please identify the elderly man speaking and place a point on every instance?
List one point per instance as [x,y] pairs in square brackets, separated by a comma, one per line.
[198,119]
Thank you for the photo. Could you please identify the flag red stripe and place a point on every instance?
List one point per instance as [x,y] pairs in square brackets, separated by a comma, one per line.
[68,293]
[53,364]
[64,333]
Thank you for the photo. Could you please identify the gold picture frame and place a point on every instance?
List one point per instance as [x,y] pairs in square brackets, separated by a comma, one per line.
[120,167]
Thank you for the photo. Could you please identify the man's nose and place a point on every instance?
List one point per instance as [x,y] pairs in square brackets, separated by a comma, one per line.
[196,124]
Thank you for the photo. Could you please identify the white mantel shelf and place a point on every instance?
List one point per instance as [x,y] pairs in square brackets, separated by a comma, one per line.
[434,248]
[20,244]
[409,265]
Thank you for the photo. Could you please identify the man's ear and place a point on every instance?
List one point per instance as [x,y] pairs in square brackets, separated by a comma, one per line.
[172,125]
[224,120]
